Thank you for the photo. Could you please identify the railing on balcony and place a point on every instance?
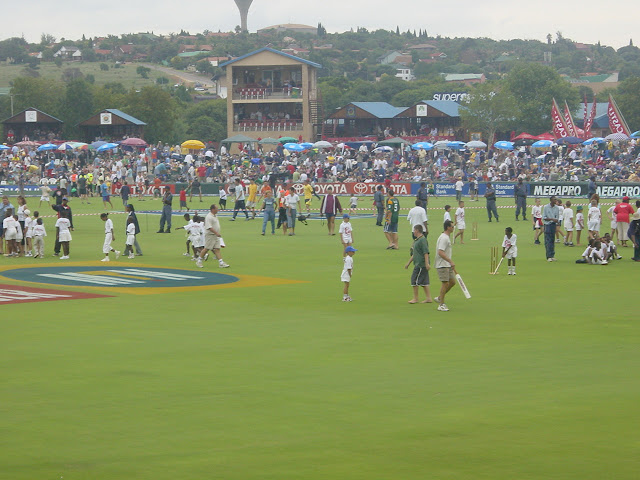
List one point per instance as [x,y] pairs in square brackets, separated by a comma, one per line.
[268,126]
[263,93]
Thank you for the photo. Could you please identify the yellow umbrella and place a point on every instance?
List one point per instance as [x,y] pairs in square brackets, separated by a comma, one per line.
[193,145]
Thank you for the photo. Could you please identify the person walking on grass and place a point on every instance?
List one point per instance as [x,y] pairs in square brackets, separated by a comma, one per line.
[239,205]
[550,218]
[108,238]
[421,267]
[167,211]
[63,234]
[490,195]
[269,215]
[391,220]
[329,207]
[347,272]
[444,265]
[378,203]
[212,238]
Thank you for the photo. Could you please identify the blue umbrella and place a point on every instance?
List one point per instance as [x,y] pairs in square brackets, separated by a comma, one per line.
[4,147]
[457,145]
[107,146]
[569,140]
[98,144]
[294,147]
[307,145]
[542,144]
[635,134]
[504,145]
[255,161]
[422,146]
[593,140]
[46,146]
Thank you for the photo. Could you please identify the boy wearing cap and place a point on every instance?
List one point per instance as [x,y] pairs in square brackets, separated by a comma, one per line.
[347,271]
[346,232]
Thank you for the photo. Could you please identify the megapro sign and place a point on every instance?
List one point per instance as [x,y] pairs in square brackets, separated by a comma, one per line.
[605,190]
[559,190]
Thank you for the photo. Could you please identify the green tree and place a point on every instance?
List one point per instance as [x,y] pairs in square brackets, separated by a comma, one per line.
[143,71]
[158,109]
[77,105]
[41,93]
[628,100]
[533,87]
[490,108]
[104,67]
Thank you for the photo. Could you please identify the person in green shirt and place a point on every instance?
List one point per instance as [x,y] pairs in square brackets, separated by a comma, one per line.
[420,259]
[391,220]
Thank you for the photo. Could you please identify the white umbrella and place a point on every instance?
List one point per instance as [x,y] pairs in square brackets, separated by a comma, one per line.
[476,144]
[322,144]
[616,136]
[384,148]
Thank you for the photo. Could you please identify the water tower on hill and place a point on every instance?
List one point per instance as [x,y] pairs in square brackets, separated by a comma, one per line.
[243,6]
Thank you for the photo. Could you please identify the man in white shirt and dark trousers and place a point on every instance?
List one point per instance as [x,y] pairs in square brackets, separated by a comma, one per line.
[240,205]
[418,216]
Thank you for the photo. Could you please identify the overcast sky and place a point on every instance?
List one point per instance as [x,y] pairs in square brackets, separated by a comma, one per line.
[586,21]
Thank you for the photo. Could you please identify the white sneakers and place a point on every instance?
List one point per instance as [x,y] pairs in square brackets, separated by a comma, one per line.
[131,256]
[199,263]
[64,257]
[347,299]
[224,265]
[552,259]
[443,307]
[105,259]
[117,254]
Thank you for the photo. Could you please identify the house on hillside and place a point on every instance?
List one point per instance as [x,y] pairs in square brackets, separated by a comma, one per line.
[423,47]
[405,74]
[388,57]
[596,82]
[68,53]
[466,78]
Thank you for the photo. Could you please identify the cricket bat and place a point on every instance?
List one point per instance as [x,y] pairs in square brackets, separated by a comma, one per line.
[463,287]
[500,262]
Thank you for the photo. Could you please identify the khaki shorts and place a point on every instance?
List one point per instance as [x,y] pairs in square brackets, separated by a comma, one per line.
[211,242]
[445,274]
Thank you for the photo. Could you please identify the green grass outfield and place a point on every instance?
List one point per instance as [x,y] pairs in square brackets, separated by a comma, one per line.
[535,377]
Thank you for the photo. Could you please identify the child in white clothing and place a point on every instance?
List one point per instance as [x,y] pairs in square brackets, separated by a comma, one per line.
[39,233]
[347,271]
[510,249]
[131,238]
[353,204]
[346,232]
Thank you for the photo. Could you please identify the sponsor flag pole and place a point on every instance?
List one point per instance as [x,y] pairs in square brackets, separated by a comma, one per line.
[560,129]
[617,123]
[590,119]
[571,128]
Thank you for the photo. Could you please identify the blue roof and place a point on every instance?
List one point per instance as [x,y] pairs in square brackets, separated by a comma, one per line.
[448,107]
[379,109]
[277,52]
[124,116]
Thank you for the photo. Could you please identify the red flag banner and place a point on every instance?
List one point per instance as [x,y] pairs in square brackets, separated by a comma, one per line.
[589,119]
[560,129]
[568,118]
[617,123]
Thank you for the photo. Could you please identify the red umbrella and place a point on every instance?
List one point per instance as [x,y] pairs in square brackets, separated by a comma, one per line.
[545,136]
[134,142]
[525,136]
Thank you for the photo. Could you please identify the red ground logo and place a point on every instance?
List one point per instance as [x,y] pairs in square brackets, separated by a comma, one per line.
[14,294]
